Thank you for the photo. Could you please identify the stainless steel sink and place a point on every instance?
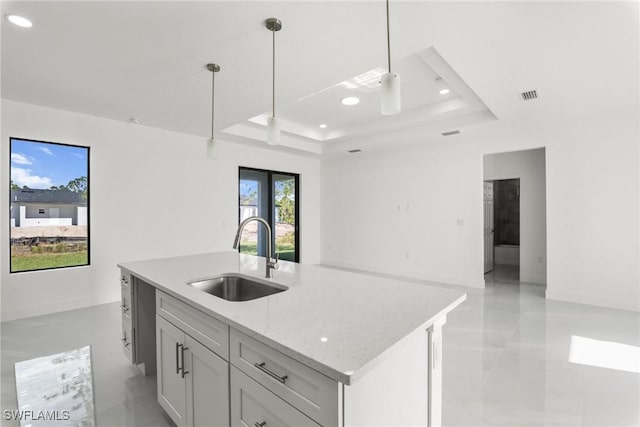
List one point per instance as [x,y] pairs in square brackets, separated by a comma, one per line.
[236,287]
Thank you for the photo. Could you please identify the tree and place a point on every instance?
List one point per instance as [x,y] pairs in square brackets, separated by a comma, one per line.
[285,199]
[14,186]
[79,185]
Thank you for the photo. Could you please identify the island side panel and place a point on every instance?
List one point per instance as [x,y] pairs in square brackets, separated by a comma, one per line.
[145,325]
[435,372]
[395,392]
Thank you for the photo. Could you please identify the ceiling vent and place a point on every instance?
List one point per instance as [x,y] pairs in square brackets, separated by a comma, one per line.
[356,150]
[529,95]
[451,132]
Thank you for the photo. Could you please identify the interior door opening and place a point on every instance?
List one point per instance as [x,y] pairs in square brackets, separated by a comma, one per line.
[515,244]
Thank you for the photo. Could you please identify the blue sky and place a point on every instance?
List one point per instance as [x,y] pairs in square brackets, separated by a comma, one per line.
[42,164]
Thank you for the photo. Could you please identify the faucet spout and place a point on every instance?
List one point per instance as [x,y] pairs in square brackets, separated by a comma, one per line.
[272,262]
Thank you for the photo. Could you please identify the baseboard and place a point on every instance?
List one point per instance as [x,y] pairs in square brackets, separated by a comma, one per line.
[597,300]
[9,313]
[406,275]
[536,280]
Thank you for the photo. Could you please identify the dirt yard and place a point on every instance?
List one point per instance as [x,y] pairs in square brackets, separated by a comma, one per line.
[49,231]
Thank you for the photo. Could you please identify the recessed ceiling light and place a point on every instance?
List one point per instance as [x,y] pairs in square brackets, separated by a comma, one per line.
[19,21]
[350,100]
[323,126]
[444,91]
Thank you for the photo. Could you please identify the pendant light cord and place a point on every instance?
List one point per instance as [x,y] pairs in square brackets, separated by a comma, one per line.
[273,92]
[213,91]
[388,39]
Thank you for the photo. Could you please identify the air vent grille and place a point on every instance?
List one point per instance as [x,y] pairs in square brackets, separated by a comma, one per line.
[451,132]
[355,150]
[529,95]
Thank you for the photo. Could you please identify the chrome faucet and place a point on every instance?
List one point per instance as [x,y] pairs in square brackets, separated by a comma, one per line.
[272,263]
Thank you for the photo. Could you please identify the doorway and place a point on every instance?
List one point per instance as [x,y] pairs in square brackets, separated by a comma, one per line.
[514,187]
[273,196]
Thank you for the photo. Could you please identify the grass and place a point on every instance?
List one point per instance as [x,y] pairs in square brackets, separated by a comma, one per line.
[48,260]
[286,251]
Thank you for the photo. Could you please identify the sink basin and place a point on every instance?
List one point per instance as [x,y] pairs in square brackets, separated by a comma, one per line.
[235,287]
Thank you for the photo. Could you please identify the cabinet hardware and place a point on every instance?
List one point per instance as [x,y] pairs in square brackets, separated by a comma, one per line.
[272,374]
[182,350]
[124,308]
[178,345]
[262,424]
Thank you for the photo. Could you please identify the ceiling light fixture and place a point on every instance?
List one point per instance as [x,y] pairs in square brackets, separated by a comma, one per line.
[19,21]
[211,142]
[350,100]
[390,83]
[273,124]
[442,86]
[323,126]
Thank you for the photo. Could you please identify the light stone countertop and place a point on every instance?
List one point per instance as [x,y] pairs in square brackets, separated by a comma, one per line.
[336,322]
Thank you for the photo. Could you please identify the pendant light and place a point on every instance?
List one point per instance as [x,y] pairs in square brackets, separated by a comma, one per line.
[273,123]
[211,142]
[390,83]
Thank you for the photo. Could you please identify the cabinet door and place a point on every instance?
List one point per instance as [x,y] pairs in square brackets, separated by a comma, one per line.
[207,382]
[253,405]
[171,386]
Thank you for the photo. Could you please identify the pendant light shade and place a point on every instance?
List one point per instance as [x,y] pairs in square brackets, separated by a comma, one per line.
[273,131]
[390,94]
[212,144]
[273,123]
[389,83]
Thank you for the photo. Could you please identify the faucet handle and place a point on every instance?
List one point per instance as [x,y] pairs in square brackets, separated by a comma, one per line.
[274,263]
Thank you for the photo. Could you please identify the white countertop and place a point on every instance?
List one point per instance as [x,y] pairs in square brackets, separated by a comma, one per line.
[336,322]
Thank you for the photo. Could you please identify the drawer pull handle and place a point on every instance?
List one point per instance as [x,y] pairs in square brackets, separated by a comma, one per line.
[182,350]
[262,424]
[272,374]
[178,345]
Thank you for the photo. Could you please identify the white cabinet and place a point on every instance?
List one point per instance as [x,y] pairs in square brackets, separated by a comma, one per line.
[254,406]
[172,394]
[192,380]
[309,391]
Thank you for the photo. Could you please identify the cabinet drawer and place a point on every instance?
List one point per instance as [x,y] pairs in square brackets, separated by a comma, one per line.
[126,340]
[125,282]
[253,405]
[210,332]
[125,303]
[306,389]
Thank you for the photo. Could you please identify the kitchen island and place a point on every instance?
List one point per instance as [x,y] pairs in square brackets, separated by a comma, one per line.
[335,348]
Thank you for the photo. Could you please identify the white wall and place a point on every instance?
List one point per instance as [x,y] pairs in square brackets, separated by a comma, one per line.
[141,180]
[528,165]
[416,210]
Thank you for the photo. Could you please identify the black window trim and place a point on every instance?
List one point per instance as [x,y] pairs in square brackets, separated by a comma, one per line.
[270,174]
[88,148]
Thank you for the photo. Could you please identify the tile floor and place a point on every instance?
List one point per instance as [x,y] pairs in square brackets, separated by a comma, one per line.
[506,361]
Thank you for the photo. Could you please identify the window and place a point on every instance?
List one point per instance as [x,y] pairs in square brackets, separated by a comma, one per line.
[274,197]
[49,204]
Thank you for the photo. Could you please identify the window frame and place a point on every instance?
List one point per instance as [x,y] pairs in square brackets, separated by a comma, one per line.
[88,148]
[271,207]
